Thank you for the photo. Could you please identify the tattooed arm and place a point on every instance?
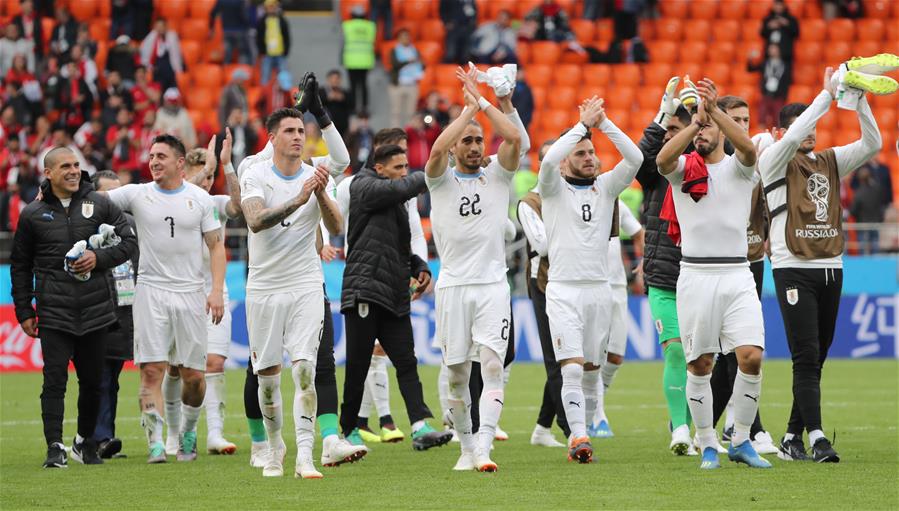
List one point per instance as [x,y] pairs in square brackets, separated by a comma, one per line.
[260,218]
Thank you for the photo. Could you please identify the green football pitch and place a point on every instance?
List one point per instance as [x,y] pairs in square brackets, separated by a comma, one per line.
[634,469]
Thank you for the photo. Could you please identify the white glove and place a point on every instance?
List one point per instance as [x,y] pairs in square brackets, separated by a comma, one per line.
[501,79]
[105,237]
[669,103]
[689,96]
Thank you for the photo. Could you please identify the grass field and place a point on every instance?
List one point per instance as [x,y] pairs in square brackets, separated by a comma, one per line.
[635,470]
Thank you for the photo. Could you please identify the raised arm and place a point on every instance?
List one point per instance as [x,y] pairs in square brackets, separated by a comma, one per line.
[548,179]
[508,153]
[738,137]
[505,104]
[666,160]
[439,157]
[850,157]
[623,174]
[338,155]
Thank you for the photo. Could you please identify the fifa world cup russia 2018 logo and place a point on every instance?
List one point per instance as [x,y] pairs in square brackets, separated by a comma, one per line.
[818,188]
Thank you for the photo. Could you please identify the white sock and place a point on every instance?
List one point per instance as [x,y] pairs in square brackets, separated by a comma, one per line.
[592,395]
[152,423]
[365,407]
[507,373]
[443,388]
[814,435]
[573,399]
[171,393]
[190,415]
[490,405]
[747,390]
[789,436]
[214,403]
[729,416]
[457,384]
[608,374]
[699,399]
[378,384]
[269,394]
[305,403]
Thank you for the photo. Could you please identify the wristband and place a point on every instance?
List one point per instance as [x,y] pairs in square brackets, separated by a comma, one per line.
[483,103]
[229,168]
[323,120]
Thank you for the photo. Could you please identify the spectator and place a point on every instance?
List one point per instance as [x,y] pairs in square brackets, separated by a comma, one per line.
[595,9]
[842,9]
[777,76]
[13,158]
[87,67]
[435,105]
[161,51]
[625,17]
[89,139]
[65,32]
[234,95]
[115,87]
[146,94]
[273,39]
[14,97]
[124,142]
[420,137]
[121,59]
[781,28]
[173,119]
[122,19]
[881,175]
[147,132]
[110,109]
[548,22]
[494,42]
[382,9]
[18,70]
[12,45]
[406,71]
[87,43]
[337,100]
[235,26]
[523,99]
[868,206]
[360,141]
[359,54]
[278,93]
[315,145]
[74,99]
[30,26]
[40,138]
[244,138]
[460,19]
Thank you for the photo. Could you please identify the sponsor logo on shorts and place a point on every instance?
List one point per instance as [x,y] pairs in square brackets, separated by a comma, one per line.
[792,296]
[659,326]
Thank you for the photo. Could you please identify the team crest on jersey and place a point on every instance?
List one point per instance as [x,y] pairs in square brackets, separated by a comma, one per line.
[190,204]
[363,310]
[87,209]
[558,343]
[792,296]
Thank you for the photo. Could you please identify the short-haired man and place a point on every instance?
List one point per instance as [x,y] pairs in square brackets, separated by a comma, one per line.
[74,308]
[174,220]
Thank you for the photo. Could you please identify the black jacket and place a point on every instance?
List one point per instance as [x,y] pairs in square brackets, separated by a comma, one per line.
[380,261]
[661,257]
[44,235]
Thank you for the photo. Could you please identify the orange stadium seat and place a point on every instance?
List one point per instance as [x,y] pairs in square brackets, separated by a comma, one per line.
[888,101]
[662,51]
[539,94]
[446,75]
[84,10]
[836,52]
[416,10]
[643,117]
[201,99]
[812,30]
[99,29]
[823,138]
[605,31]
[428,79]
[698,30]
[207,75]
[692,69]
[545,52]
[669,29]
[811,10]
[562,98]
[748,92]
[840,29]
[658,73]
[720,73]
[866,48]
[539,75]
[674,8]
[724,52]
[602,144]
[827,122]
[749,31]
[575,57]
[807,74]
[588,91]
[584,30]
[495,6]
[870,29]
[597,74]
[201,9]
[620,97]
[743,77]
[877,9]
[886,120]
[431,52]
[432,30]
[102,53]
[12,8]
[453,94]
[703,9]
[554,120]
[647,29]
[726,30]
[796,7]
[567,75]
[626,74]
[650,96]
[808,52]
[193,29]
[385,49]
[692,52]
[190,52]
[758,9]
[732,9]
[171,9]
[801,94]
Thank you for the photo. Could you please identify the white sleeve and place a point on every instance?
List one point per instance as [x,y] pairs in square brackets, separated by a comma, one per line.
[623,174]
[677,176]
[549,179]
[210,217]
[338,156]
[773,162]
[522,130]
[266,153]
[251,186]
[417,240]
[123,195]
[434,182]
[533,227]
[745,172]
[626,220]
[850,157]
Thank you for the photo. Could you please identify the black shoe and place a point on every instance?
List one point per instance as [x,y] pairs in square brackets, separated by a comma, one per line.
[86,452]
[823,452]
[109,448]
[792,450]
[430,439]
[56,456]
[726,434]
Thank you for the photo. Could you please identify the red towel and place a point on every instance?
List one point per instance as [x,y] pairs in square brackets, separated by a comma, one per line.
[696,183]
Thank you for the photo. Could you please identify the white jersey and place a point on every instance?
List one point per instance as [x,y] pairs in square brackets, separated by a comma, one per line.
[468,218]
[337,159]
[630,226]
[578,218]
[220,208]
[417,240]
[170,228]
[283,258]
[715,226]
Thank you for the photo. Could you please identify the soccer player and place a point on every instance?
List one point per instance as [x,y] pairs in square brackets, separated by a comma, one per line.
[200,166]
[599,423]
[717,307]
[578,211]
[469,212]
[661,265]
[174,220]
[803,193]
[283,203]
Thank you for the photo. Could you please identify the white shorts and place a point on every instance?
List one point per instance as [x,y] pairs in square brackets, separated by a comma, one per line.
[169,327]
[579,317]
[219,335]
[718,309]
[290,321]
[618,327]
[471,316]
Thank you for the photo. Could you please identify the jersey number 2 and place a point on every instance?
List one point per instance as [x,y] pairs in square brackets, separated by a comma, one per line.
[504,333]
[469,206]
[171,222]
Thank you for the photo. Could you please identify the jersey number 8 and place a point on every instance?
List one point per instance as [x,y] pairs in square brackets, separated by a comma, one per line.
[586,213]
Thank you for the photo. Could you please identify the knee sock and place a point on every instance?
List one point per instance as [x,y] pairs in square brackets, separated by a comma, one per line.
[304,405]
[674,380]
[592,392]
[365,406]
[171,393]
[490,405]
[443,390]
[457,383]
[152,423]
[214,403]
[378,384]
[270,404]
[507,373]
[190,415]
[699,394]
[573,399]
[608,374]
[747,390]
